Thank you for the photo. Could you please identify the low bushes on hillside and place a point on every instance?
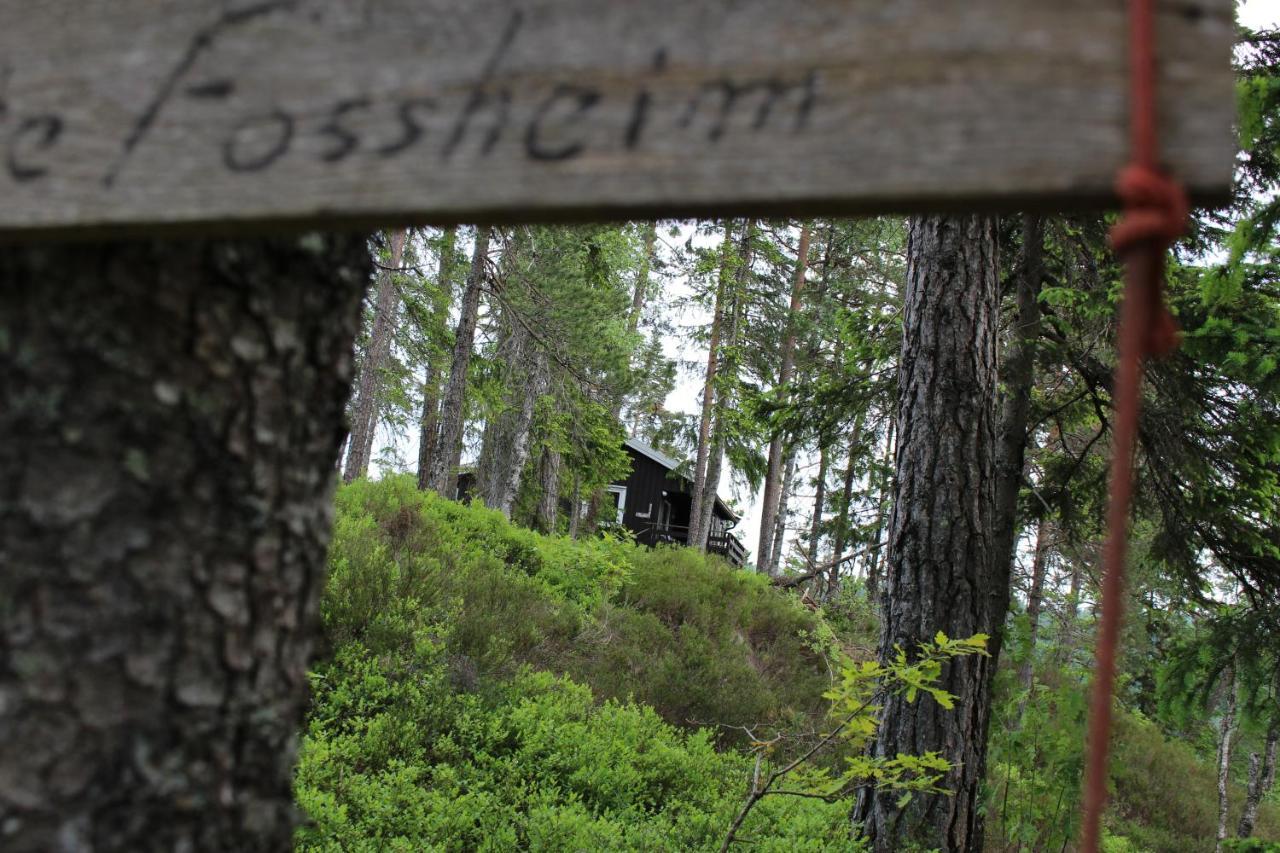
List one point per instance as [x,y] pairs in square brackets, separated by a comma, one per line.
[494,689]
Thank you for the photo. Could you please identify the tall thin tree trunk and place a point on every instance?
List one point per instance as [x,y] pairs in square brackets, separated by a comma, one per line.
[1262,774]
[444,468]
[773,476]
[549,491]
[780,517]
[1035,598]
[509,478]
[429,434]
[360,446]
[941,549]
[575,510]
[819,506]
[703,458]
[1018,377]
[1226,731]
[641,292]
[726,381]
[846,499]
[171,414]
[429,426]
[879,553]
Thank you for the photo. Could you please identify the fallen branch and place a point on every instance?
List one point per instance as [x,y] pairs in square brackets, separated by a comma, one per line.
[814,571]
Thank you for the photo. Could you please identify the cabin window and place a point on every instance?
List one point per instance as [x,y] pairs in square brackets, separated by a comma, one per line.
[664,513]
[617,496]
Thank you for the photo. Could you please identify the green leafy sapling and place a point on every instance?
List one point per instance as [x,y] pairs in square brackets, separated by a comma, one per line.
[855,704]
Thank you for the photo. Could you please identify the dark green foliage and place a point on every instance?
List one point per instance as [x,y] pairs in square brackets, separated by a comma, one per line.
[704,644]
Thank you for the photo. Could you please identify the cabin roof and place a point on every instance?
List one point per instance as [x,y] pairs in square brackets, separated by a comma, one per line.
[671,464]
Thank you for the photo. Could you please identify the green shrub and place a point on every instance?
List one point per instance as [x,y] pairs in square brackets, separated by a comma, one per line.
[494,689]
[704,644]
[671,628]
[395,759]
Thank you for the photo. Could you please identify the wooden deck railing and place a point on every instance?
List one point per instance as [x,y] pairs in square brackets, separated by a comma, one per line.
[724,544]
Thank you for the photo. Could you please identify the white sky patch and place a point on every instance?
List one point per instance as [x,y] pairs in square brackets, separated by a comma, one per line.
[1259,14]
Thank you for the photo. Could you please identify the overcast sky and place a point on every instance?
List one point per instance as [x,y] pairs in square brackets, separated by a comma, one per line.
[1260,13]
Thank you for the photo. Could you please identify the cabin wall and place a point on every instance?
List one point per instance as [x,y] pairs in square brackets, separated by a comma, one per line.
[645,485]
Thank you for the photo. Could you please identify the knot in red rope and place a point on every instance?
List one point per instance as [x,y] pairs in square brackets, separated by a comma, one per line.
[1155,216]
[1155,209]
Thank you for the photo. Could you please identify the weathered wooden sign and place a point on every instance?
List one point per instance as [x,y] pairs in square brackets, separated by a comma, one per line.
[150,113]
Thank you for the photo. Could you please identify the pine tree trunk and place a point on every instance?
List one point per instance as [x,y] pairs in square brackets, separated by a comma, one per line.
[429,431]
[1035,599]
[575,508]
[386,303]
[726,380]
[549,490]
[429,434]
[941,550]
[703,459]
[879,554]
[846,500]
[172,413]
[444,468]
[1226,731]
[641,292]
[772,499]
[1262,775]
[510,476]
[819,506]
[1017,378]
[780,518]
[1257,788]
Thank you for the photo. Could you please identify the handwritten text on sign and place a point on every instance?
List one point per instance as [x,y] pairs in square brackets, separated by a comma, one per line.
[142,113]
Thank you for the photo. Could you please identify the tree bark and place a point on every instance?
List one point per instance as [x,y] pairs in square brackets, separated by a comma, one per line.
[549,491]
[772,498]
[780,517]
[429,426]
[879,552]
[846,500]
[1018,378]
[575,508]
[726,380]
[429,434]
[510,475]
[703,458]
[819,506]
[641,292]
[172,413]
[1226,731]
[1035,598]
[365,422]
[941,549]
[444,468]
[1261,778]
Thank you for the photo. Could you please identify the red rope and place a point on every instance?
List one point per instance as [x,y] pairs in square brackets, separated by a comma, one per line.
[1156,213]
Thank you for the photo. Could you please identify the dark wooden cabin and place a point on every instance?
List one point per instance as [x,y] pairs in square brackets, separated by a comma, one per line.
[654,503]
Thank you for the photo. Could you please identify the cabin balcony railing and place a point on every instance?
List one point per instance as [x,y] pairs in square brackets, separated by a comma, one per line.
[724,544]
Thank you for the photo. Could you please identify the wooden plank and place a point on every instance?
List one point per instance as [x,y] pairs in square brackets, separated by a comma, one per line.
[143,114]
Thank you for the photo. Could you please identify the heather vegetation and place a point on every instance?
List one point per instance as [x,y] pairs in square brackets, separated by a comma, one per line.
[493,688]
